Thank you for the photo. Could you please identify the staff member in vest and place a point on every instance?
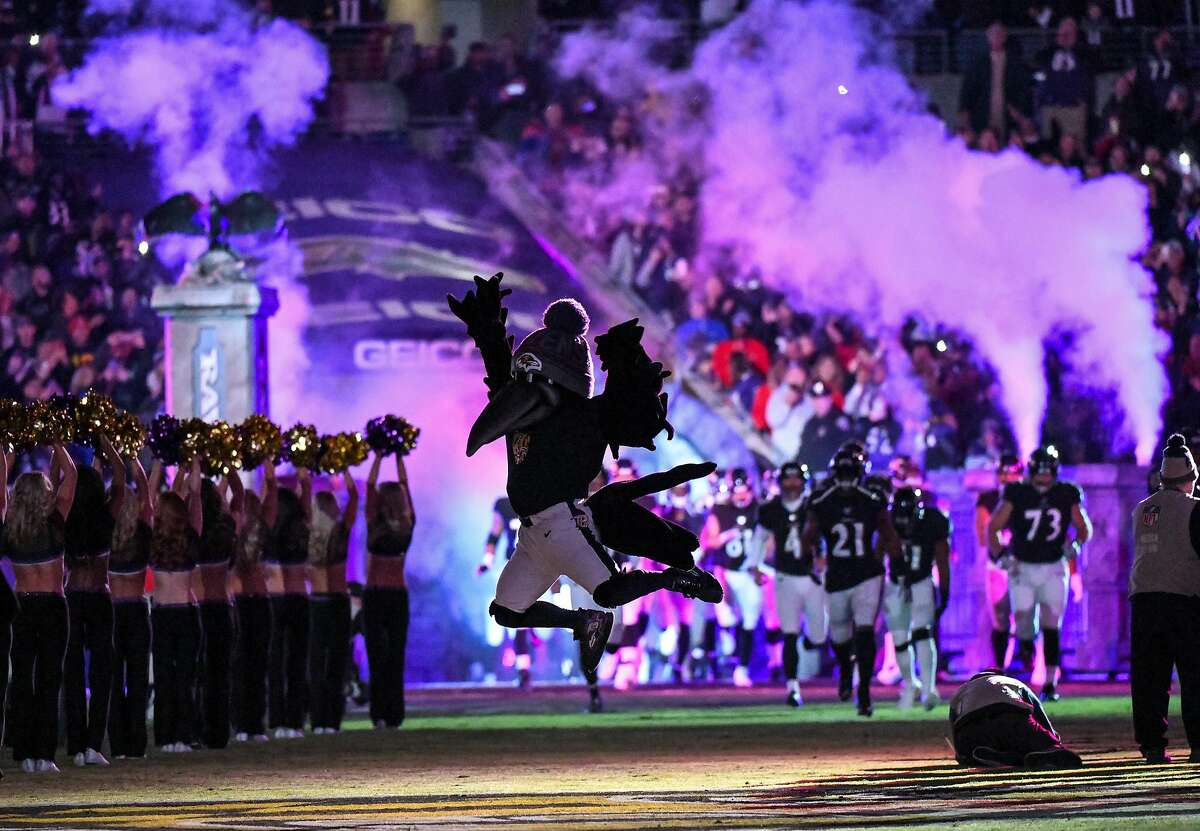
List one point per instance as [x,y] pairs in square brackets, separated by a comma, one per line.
[1164,591]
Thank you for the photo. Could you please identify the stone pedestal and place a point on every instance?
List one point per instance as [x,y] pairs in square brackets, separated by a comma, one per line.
[216,348]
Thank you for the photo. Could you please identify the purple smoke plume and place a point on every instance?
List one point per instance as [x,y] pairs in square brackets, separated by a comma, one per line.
[820,161]
[208,84]
[212,88]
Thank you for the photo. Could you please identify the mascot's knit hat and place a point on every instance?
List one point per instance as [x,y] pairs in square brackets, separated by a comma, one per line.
[559,350]
[1177,463]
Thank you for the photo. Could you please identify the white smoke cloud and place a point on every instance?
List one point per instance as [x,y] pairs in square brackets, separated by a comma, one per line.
[821,161]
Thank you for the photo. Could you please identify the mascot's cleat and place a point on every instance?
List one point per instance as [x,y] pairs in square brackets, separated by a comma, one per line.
[592,636]
[696,583]
[1058,758]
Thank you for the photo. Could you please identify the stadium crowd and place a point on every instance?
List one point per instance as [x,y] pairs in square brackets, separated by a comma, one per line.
[73,302]
[793,371]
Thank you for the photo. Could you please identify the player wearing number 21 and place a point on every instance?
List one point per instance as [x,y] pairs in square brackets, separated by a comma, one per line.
[854,525]
[1041,555]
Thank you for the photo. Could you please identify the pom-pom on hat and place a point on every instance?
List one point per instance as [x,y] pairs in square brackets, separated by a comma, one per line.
[1178,466]
[559,350]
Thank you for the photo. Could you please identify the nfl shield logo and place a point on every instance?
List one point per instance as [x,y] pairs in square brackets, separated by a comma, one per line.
[1150,516]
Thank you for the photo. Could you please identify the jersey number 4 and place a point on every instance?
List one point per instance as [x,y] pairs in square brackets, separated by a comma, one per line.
[1052,515]
[847,533]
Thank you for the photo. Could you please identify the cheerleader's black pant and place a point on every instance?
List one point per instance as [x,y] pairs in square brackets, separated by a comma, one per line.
[289,661]
[385,619]
[130,678]
[216,624]
[8,611]
[39,644]
[329,617]
[176,644]
[87,672]
[251,663]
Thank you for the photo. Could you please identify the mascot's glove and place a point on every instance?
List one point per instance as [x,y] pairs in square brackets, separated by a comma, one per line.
[483,306]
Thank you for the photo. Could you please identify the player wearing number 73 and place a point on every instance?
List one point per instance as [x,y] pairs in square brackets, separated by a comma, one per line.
[854,525]
[1039,512]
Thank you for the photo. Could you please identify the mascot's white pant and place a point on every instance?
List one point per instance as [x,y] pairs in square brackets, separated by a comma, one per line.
[801,599]
[906,609]
[558,542]
[746,597]
[1038,592]
[854,607]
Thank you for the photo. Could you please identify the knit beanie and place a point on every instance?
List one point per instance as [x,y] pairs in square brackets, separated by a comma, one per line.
[559,350]
[1177,463]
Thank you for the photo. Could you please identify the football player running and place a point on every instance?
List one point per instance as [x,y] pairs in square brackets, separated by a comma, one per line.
[911,604]
[729,536]
[1039,513]
[799,593]
[854,525]
[1008,471]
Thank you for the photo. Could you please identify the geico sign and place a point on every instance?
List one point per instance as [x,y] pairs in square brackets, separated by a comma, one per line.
[372,354]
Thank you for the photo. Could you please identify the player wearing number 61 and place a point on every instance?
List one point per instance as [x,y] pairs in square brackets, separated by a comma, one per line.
[854,525]
[1039,513]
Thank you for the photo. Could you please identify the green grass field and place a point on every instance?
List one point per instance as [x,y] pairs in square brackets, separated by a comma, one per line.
[696,759]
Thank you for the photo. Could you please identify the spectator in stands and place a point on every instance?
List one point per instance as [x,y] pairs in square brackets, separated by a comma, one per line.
[825,431]
[1066,89]
[789,409]
[473,88]
[880,433]
[1094,26]
[1123,117]
[1160,71]
[700,330]
[425,89]
[995,87]
[739,341]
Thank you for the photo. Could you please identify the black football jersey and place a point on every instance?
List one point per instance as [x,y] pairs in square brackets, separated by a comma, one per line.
[682,516]
[988,500]
[848,519]
[786,525]
[510,524]
[733,555]
[917,547]
[1040,520]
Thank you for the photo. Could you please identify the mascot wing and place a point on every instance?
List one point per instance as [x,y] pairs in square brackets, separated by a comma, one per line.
[483,311]
[633,408]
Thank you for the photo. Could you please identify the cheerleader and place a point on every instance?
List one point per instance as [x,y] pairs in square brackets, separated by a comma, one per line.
[210,584]
[329,606]
[178,523]
[34,532]
[89,533]
[288,584]
[131,618]
[8,608]
[253,610]
[390,521]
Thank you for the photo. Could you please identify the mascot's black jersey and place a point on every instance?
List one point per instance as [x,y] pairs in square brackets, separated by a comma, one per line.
[848,519]
[786,525]
[1040,520]
[510,522]
[918,546]
[733,555]
[556,459]
[988,500]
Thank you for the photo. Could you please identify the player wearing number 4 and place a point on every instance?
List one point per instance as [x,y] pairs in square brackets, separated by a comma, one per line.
[799,595]
[1039,512]
[854,525]
[728,539]
[911,604]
